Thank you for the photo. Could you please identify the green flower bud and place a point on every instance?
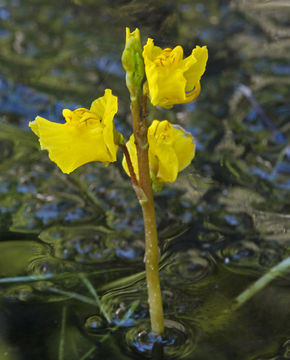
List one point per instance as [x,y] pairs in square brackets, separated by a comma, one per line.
[132,61]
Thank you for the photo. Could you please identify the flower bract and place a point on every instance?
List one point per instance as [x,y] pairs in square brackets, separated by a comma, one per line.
[172,79]
[87,135]
[171,149]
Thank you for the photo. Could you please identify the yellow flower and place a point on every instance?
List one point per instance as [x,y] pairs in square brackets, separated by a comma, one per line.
[87,135]
[172,79]
[171,149]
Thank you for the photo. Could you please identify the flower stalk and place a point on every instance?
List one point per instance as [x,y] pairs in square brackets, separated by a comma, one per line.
[129,163]
[151,239]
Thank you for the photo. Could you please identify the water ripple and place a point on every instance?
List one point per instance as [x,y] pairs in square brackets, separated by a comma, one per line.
[178,342]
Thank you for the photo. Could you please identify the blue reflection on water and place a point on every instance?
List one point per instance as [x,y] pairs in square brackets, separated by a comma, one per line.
[27,103]
[4,14]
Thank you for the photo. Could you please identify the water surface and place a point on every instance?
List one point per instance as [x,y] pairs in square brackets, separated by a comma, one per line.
[71,250]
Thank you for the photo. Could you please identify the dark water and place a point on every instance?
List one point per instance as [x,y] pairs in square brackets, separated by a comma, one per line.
[71,250]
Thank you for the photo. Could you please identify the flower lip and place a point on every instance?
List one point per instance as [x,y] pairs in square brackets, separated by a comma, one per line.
[169,57]
[87,135]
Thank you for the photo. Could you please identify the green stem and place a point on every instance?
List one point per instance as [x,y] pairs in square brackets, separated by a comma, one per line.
[147,203]
[152,268]
[62,333]
[258,285]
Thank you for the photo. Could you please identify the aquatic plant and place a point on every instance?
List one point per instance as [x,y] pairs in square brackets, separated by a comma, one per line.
[153,155]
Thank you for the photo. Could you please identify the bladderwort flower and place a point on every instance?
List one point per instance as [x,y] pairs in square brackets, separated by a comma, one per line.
[171,149]
[87,135]
[172,79]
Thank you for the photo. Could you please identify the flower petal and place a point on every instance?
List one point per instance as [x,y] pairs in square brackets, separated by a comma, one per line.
[196,68]
[150,51]
[184,147]
[160,141]
[105,108]
[168,162]
[70,147]
[169,89]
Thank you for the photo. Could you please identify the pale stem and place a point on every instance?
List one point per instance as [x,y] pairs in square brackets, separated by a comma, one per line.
[147,203]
